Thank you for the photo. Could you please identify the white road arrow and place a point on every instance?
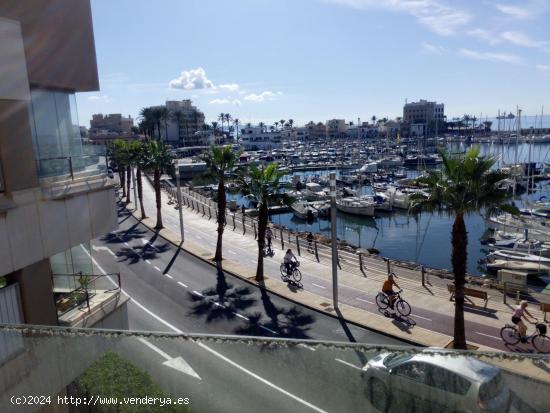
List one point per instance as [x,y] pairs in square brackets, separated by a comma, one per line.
[177,363]
[104,249]
[148,243]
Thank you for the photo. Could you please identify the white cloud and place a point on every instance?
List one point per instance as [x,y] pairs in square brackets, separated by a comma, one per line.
[516,12]
[236,102]
[521,39]
[267,95]
[491,57]
[230,87]
[485,35]
[543,68]
[103,98]
[437,16]
[192,79]
[428,48]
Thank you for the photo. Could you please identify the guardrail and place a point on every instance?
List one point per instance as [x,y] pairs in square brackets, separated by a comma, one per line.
[73,166]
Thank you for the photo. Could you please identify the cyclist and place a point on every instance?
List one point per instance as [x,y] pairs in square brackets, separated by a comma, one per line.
[387,288]
[268,237]
[290,261]
[519,313]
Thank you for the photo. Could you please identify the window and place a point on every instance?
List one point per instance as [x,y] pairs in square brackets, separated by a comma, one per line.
[412,371]
[448,381]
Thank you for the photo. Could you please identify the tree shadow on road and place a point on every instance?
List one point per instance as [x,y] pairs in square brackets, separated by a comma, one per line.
[134,232]
[144,252]
[289,322]
[223,301]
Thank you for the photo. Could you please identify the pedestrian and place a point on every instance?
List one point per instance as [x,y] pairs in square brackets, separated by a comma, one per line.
[309,241]
[268,237]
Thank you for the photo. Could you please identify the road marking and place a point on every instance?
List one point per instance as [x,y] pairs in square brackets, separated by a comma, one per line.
[241,316]
[95,248]
[268,329]
[306,346]
[177,363]
[148,262]
[205,347]
[156,268]
[125,243]
[424,318]
[196,292]
[319,286]
[487,335]
[169,276]
[348,364]
[183,285]
[232,252]
[365,301]
[219,305]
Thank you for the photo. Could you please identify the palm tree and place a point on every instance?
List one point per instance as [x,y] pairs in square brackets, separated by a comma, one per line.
[272,128]
[228,119]
[373,119]
[290,123]
[264,184]
[147,121]
[465,185]
[158,160]
[262,126]
[215,127]
[164,116]
[221,118]
[236,122]
[276,123]
[138,158]
[177,116]
[220,161]
[156,113]
[282,122]
[119,154]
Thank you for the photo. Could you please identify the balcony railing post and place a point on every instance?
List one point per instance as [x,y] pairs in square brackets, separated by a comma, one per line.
[316,251]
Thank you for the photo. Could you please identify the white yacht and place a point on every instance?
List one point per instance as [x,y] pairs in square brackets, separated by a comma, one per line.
[356,205]
[315,192]
[303,210]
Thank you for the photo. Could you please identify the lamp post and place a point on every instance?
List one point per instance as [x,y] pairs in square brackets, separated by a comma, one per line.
[333,236]
[135,189]
[177,170]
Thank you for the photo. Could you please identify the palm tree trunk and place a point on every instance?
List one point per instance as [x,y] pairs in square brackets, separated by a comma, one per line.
[156,181]
[140,192]
[122,176]
[128,181]
[221,220]
[459,257]
[262,226]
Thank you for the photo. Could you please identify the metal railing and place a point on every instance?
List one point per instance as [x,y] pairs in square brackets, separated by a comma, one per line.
[74,166]
[76,290]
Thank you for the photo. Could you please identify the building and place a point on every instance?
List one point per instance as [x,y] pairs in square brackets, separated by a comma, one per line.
[54,194]
[317,131]
[364,131]
[337,128]
[110,126]
[183,121]
[423,112]
[255,138]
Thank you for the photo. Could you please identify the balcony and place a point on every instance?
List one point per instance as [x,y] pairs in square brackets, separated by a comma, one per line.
[107,370]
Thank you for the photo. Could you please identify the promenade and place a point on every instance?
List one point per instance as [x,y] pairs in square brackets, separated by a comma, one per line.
[431,320]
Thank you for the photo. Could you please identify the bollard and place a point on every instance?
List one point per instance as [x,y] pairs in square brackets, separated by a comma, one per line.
[517,296]
[234,224]
[361,262]
[298,245]
[244,225]
[504,294]
[209,213]
[282,241]
[255,231]
[423,271]
[289,239]
[203,211]
[388,265]
[316,252]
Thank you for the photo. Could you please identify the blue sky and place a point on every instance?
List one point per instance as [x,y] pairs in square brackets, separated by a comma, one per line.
[265,60]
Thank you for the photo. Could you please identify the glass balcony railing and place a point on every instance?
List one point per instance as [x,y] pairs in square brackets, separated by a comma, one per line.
[90,164]
[86,370]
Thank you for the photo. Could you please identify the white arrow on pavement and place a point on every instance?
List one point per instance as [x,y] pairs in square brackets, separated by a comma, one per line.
[145,242]
[104,249]
[177,363]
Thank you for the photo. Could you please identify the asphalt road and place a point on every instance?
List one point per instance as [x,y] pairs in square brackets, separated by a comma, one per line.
[172,291]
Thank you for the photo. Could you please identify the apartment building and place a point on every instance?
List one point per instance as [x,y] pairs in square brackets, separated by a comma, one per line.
[423,112]
[337,128]
[54,194]
[111,126]
[255,138]
[184,120]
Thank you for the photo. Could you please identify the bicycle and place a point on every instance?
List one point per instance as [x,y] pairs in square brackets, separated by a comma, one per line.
[402,306]
[295,272]
[539,340]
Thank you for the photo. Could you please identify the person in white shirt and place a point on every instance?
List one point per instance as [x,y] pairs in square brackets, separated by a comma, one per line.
[290,260]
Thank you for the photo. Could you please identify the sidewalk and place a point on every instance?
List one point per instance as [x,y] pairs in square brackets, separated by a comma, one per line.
[430,323]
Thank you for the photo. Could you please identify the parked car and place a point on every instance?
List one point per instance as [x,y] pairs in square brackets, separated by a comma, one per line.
[434,383]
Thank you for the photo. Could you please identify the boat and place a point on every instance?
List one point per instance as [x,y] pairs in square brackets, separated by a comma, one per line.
[526,266]
[303,210]
[369,167]
[382,202]
[315,192]
[518,244]
[356,205]
[517,256]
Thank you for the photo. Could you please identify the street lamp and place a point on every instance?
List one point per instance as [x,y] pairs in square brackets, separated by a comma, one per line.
[177,170]
[333,236]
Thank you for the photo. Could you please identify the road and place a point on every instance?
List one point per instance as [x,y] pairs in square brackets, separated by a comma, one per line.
[173,291]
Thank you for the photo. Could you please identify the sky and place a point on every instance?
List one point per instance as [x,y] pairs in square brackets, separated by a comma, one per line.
[266,60]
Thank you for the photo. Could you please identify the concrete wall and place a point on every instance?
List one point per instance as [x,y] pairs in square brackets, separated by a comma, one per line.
[60,28]
[35,228]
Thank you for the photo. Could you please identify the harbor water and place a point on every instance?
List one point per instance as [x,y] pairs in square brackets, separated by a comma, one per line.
[423,238]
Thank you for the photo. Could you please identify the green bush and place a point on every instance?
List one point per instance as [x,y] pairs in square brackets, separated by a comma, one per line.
[111,376]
